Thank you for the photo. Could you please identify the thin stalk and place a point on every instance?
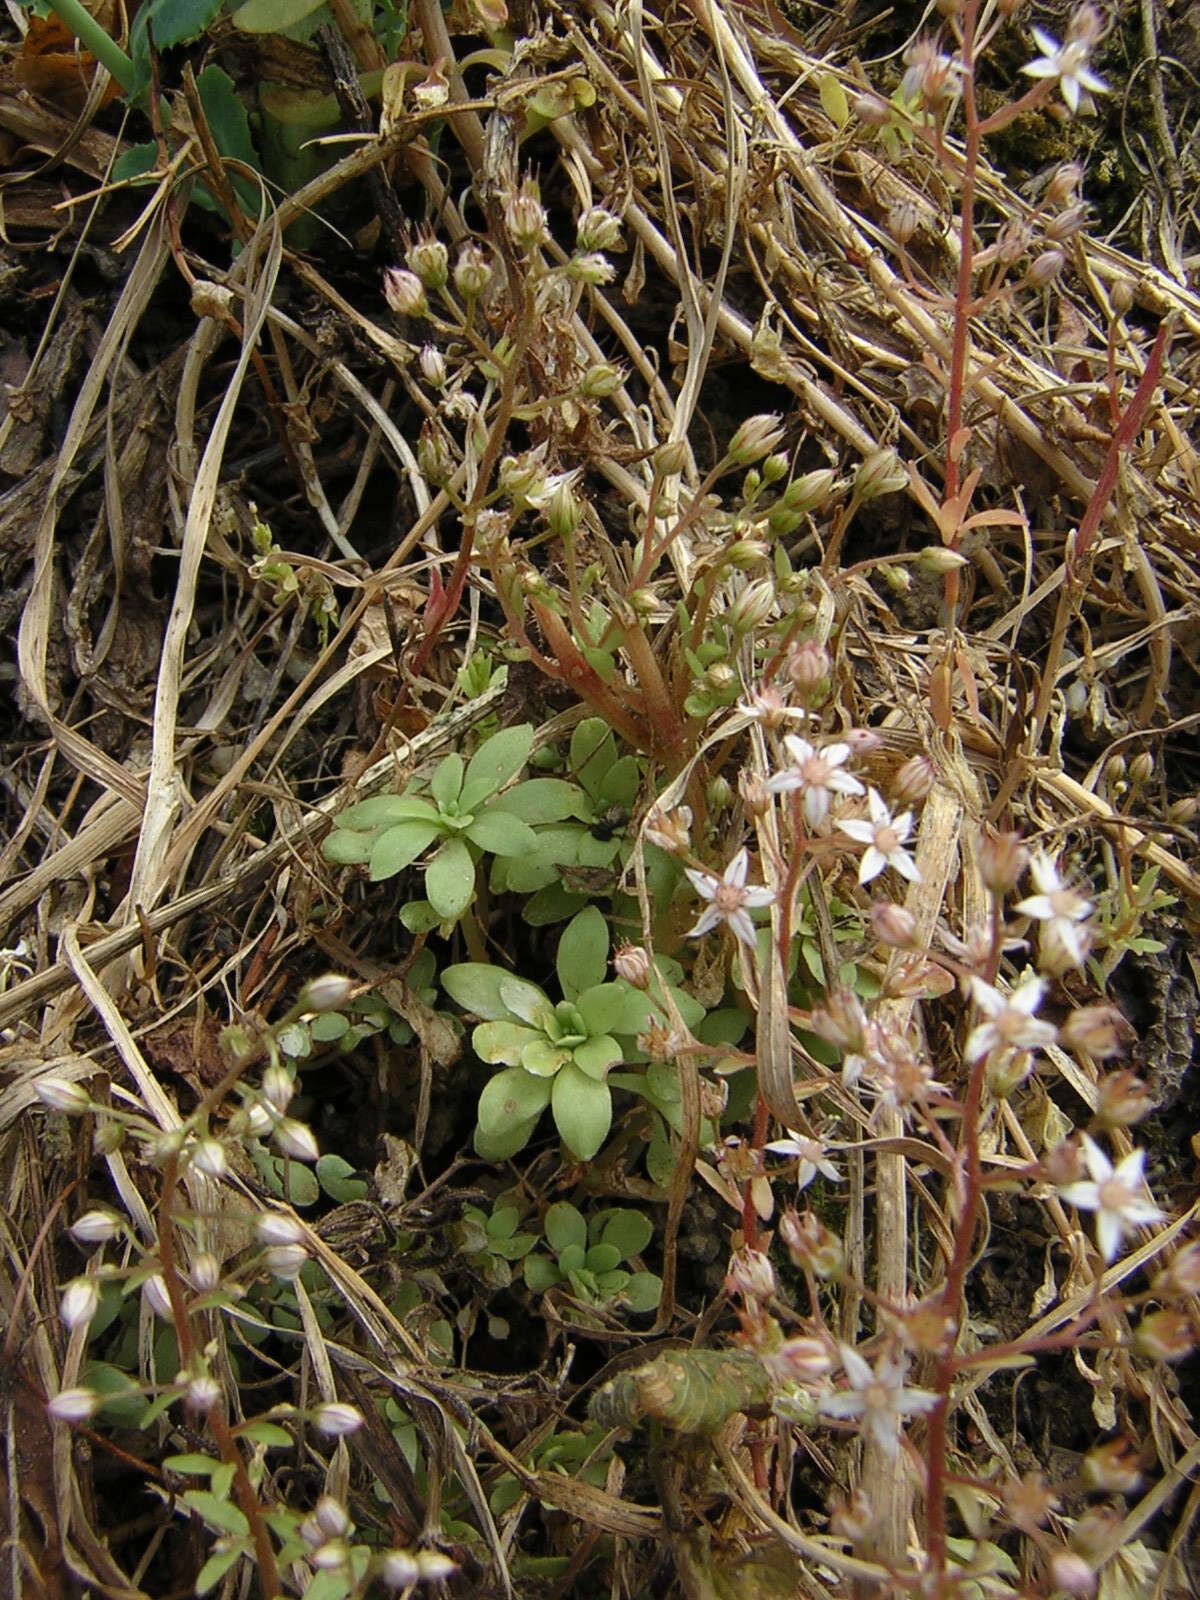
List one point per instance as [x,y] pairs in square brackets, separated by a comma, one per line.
[93,37]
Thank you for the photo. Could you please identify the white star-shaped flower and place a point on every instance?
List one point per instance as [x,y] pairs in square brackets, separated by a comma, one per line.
[1061,909]
[1010,1024]
[1068,64]
[1117,1195]
[810,1153]
[877,1396]
[884,837]
[729,900]
[817,774]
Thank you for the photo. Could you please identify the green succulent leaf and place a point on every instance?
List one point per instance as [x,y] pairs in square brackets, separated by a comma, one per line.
[594,1056]
[399,847]
[614,1008]
[450,879]
[602,1258]
[512,1096]
[582,1111]
[477,986]
[501,834]
[503,1041]
[593,751]
[582,958]
[541,800]
[619,785]
[540,1273]
[345,848]
[563,1226]
[502,1223]
[446,783]
[542,1057]
[496,761]
[643,1291]
[525,1000]
[339,1181]
[571,1259]
[629,1232]
[386,810]
[503,1143]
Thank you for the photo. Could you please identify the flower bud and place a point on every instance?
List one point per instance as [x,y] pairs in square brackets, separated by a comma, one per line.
[598,229]
[331,1555]
[405,293]
[632,963]
[913,782]
[1181,1279]
[276,1228]
[73,1405]
[157,1296]
[1066,224]
[434,1567]
[1002,860]
[284,1261]
[871,111]
[802,1360]
[430,262]
[893,925]
[601,380]
[563,512]
[329,992]
[753,606]
[756,797]
[720,676]
[1098,1030]
[750,1275]
[433,366]
[669,830]
[1141,768]
[61,1094]
[399,1569]
[1045,267]
[1111,1468]
[591,268]
[810,492]
[525,216]
[903,219]
[1064,184]
[472,271]
[208,1157]
[841,1020]
[1164,1336]
[335,1419]
[811,1246]
[670,459]
[1184,810]
[808,668]
[879,473]
[1005,1071]
[259,1121]
[278,1087]
[743,554]
[755,438]
[718,793]
[1120,295]
[97,1227]
[1122,1099]
[202,1393]
[937,559]
[1069,1572]
[206,1272]
[295,1140]
[80,1302]
[332,1518]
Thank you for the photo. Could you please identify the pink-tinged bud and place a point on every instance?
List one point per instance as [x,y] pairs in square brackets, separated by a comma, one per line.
[278,1087]
[525,216]
[97,1227]
[61,1094]
[259,1121]
[399,1569]
[202,1393]
[913,977]
[671,458]
[295,1140]
[598,229]
[1099,1031]
[631,962]
[893,925]
[335,1419]
[331,1555]
[811,1246]
[1045,267]
[755,438]
[208,1157]
[80,1302]
[1181,1279]
[871,111]
[157,1296]
[913,782]
[1002,860]
[434,455]
[1064,184]
[73,1405]
[755,795]
[841,1020]
[903,220]
[803,1360]
[206,1273]
[750,1275]
[810,491]
[878,474]
[1122,1099]
[753,606]
[332,1518]
[430,262]
[1164,1336]
[285,1260]
[1112,1468]
[434,1567]
[1062,1164]
[274,1228]
[669,830]
[1069,1572]
[808,668]
[472,271]
[330,992]
[1066,224]
[433,366]
[405,293]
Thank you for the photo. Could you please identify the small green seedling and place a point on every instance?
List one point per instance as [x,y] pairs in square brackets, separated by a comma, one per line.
[490,1243]
[588,1255]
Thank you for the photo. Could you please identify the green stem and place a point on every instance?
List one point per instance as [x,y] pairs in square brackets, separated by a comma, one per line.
[93,37]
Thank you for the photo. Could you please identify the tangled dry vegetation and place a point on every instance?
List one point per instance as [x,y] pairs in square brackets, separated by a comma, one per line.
[256,566]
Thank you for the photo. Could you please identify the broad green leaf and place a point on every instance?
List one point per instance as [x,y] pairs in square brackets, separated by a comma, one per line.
[218,1564]
[564,1226]
[513,1249]
[619,785]
[643,1291]
[476,985]
[595,1055]
[593,751]
[399,847]
[540,1273]
[612,1282]
[602,1258]
[217,1513]
[329,1026]
[522,874]
[272,16]
[386,810]
[506,1493]
[496,761]
[503,1143]
[501,834]
[450,879]
[542,1057]
[524,1000]
[339,1179]
[554,903]
[346,848]
[179,21]
[333,1584]
[194,1463]
[419,917]
[228,122]
[660,1158]
[446,782]
[582,958]
[627,1231]
[595,852]
[503,1041]
[269,1434]
[538,800]
[582,1111]
[614,1008]
[572,1259]
[512,1096]
[502,1223]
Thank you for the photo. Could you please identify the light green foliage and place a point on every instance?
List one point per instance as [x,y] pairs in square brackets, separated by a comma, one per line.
[1120,913]
[574,1453]
[490,1242]
[556,1055]
[587,1255]
[307,586]
[460,813]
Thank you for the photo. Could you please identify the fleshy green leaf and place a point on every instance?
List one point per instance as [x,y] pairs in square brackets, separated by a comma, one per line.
[446,783]
[399,847]
[563,1227]
[476,987]
[602,1258]
[450,879]
[538,800]
[524,1000]
[386,810]
[571,1259]
[339,1179]
[501,834]
[502,1223]
[218,1564]
[512,1096]
[619,786]
[217,1513]
[227,121]
[614,1008]
[593,751]
[502,1040]
[540,1273]
[628,1231]
[271,16]
[582,958]
[643,1291]
[503,1143]
[346,848]
[582,1111]
[542,1057]
[496,761]
[594,1056]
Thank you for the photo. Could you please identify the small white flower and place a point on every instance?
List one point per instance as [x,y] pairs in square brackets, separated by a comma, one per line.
[1116,1195]
[73,1405]
[80,1302]
[810,1153]
[766,704]
[1011,1024]
[729,900]
[208,1157]
[1068,64]
[884,837]
[877,1397]
[1060,908]
[336,1418]
[817,774]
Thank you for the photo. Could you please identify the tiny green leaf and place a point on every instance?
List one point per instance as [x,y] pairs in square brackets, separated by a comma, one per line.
[218,1564]
[503,1143]
[446,783]
[540,1273]
[619,785]
[399,847]
[217,1513]
[582,1111]
[450,879]
[339,1180]
[502,1223]
[628,1231]
[643,1291]
[614,1008]
[271,16]
[496,761]
[542,1057]
[602,1258]
[564,1226]
[594,1056]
